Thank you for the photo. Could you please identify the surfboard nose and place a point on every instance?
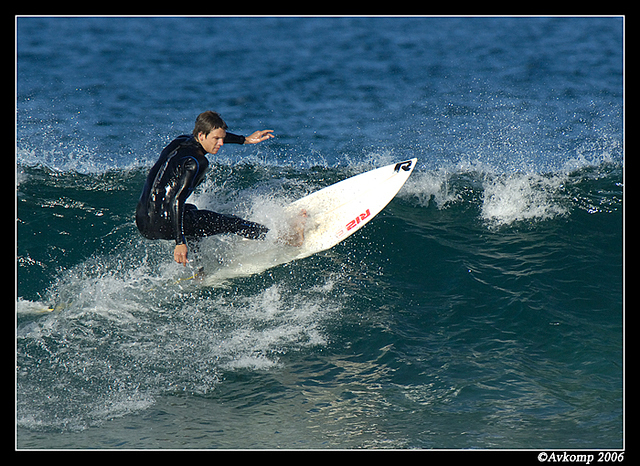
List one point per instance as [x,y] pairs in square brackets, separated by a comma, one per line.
[405,166]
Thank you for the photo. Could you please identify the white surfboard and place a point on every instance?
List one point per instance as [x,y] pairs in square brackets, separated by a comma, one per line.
[332,214]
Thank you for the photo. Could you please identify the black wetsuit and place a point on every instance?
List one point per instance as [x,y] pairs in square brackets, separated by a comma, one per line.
[162,212]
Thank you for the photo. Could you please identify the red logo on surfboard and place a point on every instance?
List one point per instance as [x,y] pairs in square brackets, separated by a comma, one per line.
[352,224]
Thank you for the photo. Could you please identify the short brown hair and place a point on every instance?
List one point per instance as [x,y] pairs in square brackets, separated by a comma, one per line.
[208,121]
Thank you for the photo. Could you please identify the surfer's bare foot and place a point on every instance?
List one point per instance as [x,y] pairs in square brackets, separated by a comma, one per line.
[296,236]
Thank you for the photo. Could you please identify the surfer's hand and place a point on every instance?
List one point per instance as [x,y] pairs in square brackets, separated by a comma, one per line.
[259,136]
[180,254]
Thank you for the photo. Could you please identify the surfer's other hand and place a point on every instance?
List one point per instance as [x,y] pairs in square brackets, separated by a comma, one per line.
[180,254]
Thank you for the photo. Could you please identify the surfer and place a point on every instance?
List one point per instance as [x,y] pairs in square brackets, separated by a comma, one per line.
[162,211]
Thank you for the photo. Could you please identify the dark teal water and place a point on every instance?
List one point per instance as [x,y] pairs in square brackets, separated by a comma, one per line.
[482,309]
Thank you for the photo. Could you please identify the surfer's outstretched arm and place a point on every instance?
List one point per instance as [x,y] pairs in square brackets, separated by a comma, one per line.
[259,136]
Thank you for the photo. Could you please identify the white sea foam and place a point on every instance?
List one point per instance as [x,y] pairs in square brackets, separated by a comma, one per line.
[518,197]
[432,186]
[123,332]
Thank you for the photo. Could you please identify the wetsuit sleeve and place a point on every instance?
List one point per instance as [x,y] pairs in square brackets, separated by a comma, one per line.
[186,173]
[231,138]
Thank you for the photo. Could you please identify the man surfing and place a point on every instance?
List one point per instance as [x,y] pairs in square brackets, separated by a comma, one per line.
[162,211]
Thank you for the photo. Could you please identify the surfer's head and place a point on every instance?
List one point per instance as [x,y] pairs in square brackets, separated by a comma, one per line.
[208,121]
[210,131]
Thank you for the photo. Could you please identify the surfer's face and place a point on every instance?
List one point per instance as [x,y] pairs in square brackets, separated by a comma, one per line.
[213,141]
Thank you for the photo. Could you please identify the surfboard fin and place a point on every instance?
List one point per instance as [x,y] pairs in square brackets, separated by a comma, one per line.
[198,275]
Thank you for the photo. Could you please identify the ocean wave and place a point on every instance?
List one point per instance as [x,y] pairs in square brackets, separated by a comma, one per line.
[521,197]
[113,325]
[115,332]
[251,185]
[507,198]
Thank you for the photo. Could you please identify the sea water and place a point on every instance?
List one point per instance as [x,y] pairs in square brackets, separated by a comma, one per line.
[482,309]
